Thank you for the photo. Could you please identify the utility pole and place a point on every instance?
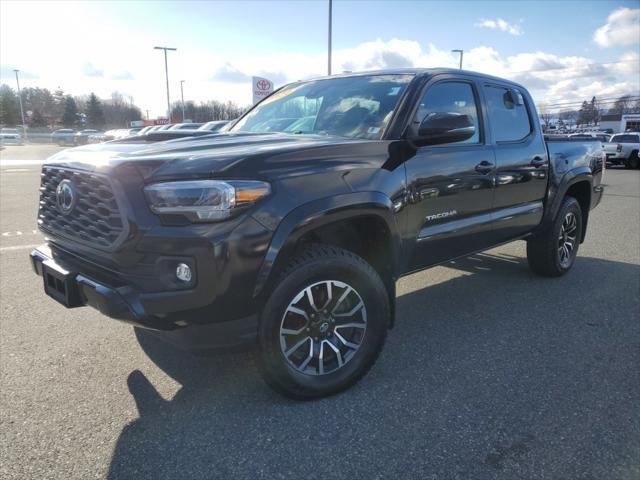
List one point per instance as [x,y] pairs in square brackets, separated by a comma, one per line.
[24,127]
[182,97]
[329,50]
[166,72]
[461,52]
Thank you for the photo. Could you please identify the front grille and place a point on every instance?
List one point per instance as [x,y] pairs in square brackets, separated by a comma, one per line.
[95,217]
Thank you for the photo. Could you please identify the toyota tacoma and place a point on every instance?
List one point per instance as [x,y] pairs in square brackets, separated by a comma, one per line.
[291,229]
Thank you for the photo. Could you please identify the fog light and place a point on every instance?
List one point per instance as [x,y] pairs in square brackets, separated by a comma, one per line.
[183,272]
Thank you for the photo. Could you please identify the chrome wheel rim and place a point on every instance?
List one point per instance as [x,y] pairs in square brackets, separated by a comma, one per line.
[323,327]
[567,239]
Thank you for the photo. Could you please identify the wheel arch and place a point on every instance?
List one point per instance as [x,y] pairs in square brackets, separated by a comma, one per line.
[363,223]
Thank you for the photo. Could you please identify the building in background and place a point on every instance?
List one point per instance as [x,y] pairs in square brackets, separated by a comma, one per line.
[621,123]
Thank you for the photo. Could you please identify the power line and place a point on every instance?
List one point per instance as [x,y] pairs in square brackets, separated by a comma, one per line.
[631,98]
[573,67]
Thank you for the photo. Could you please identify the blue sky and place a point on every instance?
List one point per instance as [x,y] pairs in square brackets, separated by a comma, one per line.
[106,46]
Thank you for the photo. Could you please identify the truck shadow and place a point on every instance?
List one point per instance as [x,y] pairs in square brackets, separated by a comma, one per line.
[474,380]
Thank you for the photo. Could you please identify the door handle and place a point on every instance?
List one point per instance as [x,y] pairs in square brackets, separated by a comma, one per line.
[484,167]
[538,162]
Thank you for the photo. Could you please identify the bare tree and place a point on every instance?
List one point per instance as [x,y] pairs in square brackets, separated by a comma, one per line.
[545,115]
[623,105]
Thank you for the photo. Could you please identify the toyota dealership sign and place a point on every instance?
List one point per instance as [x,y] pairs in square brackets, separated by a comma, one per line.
[261,88]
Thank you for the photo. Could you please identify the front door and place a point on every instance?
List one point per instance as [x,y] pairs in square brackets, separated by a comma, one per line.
[451,185]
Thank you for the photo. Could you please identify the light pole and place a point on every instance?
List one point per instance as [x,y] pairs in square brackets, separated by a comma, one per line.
[182,97]
[24,127]
[329,50]
[461,52]
[166,72]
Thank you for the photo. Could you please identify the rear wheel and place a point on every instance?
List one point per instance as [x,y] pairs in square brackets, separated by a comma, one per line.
[634,161]
[324,324]
[553,252]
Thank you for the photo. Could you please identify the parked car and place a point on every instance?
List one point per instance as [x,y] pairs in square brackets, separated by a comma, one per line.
[185,126]
[213,126]
[160,136]
[295,240]
[145,130]
[64,136]
[600,136]
[82,137]
[623,149]
[11,136]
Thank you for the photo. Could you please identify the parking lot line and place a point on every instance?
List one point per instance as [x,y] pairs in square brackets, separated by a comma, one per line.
[19,247]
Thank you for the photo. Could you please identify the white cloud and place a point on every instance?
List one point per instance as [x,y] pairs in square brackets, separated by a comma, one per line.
[622,28]
[500,24]
[211,75]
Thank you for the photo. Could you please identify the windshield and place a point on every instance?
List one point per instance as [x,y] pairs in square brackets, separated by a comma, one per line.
[353,107]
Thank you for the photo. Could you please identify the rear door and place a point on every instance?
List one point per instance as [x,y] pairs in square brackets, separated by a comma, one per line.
[450,185]
[522,165]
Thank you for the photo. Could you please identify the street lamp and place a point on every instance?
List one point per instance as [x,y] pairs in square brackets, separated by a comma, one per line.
[166,72]
[329,38]
[182,97]
[461,52]
[24,127]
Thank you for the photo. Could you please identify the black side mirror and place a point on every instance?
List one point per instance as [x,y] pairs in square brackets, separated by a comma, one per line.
[444,127]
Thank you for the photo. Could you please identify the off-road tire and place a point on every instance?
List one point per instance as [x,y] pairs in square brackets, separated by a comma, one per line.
[543,249]
[321,263]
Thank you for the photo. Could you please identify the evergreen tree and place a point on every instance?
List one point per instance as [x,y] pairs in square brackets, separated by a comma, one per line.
[59,100]
[37,120]
[594,108]
[583,114]
[95,115]
[70,114]
[9,112]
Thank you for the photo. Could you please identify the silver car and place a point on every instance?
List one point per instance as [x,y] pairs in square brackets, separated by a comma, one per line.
[10,136]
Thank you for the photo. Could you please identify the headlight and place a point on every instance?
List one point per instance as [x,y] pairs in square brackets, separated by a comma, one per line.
[203,200]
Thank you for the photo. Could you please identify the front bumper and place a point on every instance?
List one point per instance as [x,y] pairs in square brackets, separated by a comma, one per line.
[66,285]
[71,288]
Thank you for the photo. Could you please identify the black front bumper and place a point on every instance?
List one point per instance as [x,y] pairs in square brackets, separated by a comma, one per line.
[73,289]
[64,283]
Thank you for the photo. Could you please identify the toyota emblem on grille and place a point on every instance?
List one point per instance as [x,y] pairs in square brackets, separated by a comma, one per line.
[65,196]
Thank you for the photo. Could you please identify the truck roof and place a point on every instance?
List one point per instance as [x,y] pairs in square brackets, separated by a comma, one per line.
[418,72]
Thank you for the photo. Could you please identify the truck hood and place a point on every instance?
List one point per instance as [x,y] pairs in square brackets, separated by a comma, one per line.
[239,154]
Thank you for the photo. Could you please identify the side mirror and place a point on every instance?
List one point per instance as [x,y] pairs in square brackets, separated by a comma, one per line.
[444,127]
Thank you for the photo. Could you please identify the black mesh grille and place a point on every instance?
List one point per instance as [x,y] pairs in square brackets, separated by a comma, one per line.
[95,218]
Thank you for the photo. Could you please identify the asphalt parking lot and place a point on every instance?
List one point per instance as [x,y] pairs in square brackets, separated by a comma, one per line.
[490,373]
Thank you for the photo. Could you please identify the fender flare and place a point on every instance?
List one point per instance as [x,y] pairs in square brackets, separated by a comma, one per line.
[325,211]
[557,193]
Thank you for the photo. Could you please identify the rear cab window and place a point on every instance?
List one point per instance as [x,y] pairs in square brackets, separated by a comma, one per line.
[626,138]
[508,114]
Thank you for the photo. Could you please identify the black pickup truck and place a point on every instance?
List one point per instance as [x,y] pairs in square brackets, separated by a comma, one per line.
[291,229]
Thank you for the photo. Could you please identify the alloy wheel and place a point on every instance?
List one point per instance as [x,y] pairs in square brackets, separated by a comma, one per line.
[567,239]
[323,327]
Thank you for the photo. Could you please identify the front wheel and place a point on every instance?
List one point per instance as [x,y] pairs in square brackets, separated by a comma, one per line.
[324,324]
[552,253]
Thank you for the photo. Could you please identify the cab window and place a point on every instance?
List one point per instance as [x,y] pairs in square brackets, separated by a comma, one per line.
[450,97]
